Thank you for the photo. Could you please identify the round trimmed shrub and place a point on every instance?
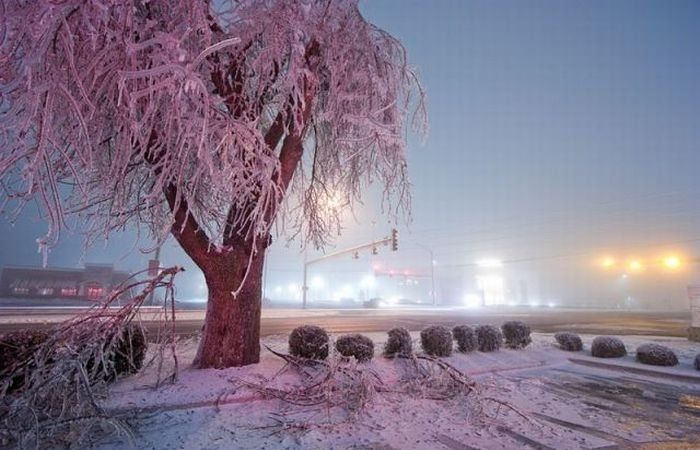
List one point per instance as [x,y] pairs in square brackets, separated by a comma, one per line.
[697,361]
[516,334]
[656,355]
[465,337]
[608,347]
[489,338]
[309,341]
[131,350]
[399,343]
[357,345]
[436,340]
[569,341]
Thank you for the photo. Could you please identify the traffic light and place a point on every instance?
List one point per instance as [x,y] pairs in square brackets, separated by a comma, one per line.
[394,239]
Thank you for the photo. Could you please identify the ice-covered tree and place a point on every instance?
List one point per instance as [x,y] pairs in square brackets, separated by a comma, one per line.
[211,121]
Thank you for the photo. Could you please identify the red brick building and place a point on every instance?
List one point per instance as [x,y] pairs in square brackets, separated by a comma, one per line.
[94,282]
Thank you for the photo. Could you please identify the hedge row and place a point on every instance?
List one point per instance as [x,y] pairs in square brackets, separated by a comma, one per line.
[310,341]
[613,347]
[313,342]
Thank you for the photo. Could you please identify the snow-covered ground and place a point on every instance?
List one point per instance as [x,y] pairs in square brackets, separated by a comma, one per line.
[557,399]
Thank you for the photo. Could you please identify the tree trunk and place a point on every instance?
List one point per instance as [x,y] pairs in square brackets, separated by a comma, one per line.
[231,334]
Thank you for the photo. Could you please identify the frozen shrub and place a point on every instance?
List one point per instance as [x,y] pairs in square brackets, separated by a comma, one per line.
[16,347]
[399,343]
[697,361]
[436,340]
[357,345]
[569,341]
[608,347]
[19,344]
[130,350]
[309,341]
[656,355]
[125,353]
[465,337]
[489,338]
[516,333]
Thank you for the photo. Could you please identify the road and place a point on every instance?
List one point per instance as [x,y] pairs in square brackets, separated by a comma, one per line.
[282,321]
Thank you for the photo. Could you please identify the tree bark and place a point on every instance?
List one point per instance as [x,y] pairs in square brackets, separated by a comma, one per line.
[231,334]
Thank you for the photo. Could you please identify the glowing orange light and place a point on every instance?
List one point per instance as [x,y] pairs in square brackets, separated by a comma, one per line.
[672,262]
[635,265]
[608,262]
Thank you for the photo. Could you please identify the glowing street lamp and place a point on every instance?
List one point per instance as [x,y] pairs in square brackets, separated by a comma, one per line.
[318,282]
[672,262]
[608,262]
[635,265]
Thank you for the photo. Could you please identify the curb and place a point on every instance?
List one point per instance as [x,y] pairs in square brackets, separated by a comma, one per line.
[208,403]
[638,370]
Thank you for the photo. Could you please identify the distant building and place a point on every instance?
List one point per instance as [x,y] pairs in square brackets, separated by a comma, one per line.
[94,282]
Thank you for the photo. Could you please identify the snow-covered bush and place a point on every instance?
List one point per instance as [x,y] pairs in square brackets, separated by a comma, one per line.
[16,347]
[436,340]
[656,355]
[131,350]
[17,344]
[489,338]
[309,341]
[399,343]
[516,333]
[124,352]
[357,345]
[569,341]
[608,347]
[465,337]
[65,378]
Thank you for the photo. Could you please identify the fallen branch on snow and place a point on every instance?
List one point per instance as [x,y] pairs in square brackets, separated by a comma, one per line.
[52,393]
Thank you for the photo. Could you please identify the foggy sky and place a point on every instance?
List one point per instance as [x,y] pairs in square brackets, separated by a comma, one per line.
[558,129]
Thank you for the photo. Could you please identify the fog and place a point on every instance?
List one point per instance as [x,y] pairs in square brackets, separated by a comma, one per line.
[563,146]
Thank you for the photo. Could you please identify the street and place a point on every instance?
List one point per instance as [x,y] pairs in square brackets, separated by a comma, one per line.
[282,321]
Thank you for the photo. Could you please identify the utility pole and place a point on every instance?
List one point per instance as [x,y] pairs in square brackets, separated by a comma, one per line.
[393,240]
[432,272]
[305,286]
[153,269]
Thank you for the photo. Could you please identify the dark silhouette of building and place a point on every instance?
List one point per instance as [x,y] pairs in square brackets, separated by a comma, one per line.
[94,282]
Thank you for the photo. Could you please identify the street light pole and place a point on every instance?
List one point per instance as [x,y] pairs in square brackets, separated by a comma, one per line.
[304,286]
[432,272]
[153,269]
[432,277]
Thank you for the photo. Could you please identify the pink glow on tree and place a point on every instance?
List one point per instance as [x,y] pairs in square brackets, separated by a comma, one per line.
[208,122]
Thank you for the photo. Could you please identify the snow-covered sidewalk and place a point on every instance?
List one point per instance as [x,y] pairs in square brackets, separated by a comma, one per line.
[213,409]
